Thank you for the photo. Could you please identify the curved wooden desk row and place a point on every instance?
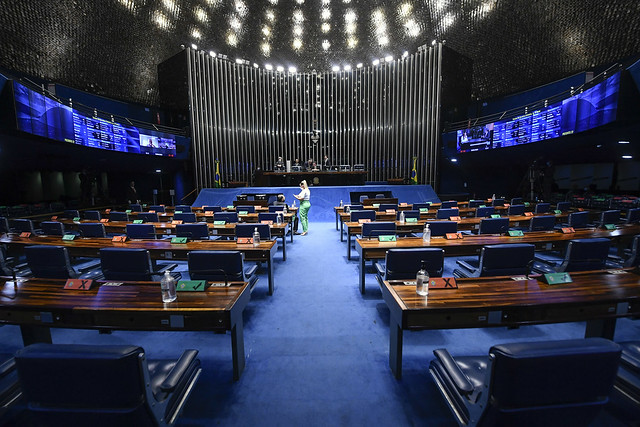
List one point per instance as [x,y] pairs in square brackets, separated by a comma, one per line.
[370,249]
[159,249]
[208,217]
[40,304]
[597,297]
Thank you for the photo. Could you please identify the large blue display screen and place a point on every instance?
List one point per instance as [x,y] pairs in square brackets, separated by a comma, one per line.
[43,116]
[594,107]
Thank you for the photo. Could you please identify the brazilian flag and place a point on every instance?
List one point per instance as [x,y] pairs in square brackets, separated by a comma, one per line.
[217,183]
[414,172]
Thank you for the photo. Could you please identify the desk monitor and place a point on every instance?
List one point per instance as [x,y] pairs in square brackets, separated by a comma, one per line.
[296,168]
[345,167]
[358,167]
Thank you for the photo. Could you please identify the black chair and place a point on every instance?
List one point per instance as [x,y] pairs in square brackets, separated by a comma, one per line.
[369,214]
[141,231]
[157,208]
[118,216]
[448,204]
[633,259]
[493,226]
[510,259]
[247,209]
[579,219]
[354,207]
[276,209]
[447,213]
[9,385]
[183,208]
[246,230]
[633,216]
[92,215]
[185,217]
[441,228]
[212,208]
[52,228]
[476,203]
[515,210]
[71,213]
[68,384]
[404,263]
[135,207]
[195,231]
[409,214]
[608,217]
[95,229]
[546,383]
[220,266]
[581,255]
[51,262]
[131,264]
[485,212]
[542,208]
[378,228]
[228,217]
[563,206]
[542,223]
[625,399]
[23,225]
[268,216]
[517,201]
[418,206]
[497,202]
[384,206]
[148,216]
[4,225]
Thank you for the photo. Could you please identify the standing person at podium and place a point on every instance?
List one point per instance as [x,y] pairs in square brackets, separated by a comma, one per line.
[326,163]
[279,164]
[304,197]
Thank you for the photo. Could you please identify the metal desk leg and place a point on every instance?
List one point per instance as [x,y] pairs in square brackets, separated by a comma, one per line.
[237,348]
[270,274]
[395,348]
[341,231]
[337,216]
[284,246]
[34,334]
[604,328]
[363,265]
[348,245]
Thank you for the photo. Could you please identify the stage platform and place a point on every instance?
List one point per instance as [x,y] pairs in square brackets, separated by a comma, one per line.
[323,199]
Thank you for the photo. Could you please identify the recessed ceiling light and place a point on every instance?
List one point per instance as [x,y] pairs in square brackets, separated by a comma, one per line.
[454,160]
[268,67]
[347,68]
[212,53]
[280,68]
[359,65]
[388,58]
[623,142]
[335,68]
[293,70]
[376,62]
[194,46]
[627,157]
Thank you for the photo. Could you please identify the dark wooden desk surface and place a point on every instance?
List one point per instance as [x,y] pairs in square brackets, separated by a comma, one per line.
[39,304]
[597,297]
[159,249]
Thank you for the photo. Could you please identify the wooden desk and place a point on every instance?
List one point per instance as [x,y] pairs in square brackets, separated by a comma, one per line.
[596,297]
[159,249]
[40,304]
[471,244]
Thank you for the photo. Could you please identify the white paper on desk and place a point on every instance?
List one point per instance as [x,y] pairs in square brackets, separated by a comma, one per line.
[617,272]
[112,284]
[518,278]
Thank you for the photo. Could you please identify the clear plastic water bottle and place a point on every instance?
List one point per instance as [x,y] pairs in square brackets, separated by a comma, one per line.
[284,209]
[294,204]
[347,209]
[401,219]
[168,287]
[279,218]
[426,234]
[256,237]
[340,203]
[422,281]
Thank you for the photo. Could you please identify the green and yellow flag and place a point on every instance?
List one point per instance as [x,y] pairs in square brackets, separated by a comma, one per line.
[216,182]
[414,172]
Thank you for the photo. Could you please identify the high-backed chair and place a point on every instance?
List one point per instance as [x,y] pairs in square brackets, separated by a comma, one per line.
[182,208]
[363,198]
[542,208]
[71,213]
[409,214]
[185,217]
[118,216]
[135,207]
[625,398]
[131,264]
[195,231]
[578,219]
[92,215]
[542,223]
[609,217]
[227,266]
[633,258]
[448,204]
[141,231]
[4,225]
[228,217]
[485,212]
[92,229]
[446,213]
[70,384]
[268,216]
[22,225]
[246,230]
[441,228]
[384,206]
[497,202]
[276,209]
[10,390]
[545,383]
[633,216]
[50,262]
[493,226]
[418,206]
[509,259]
[517,201]
[380,196]
[404,263]
[52,228]
[378,228]
[148,216]
[515,210]
[157,208]
[563,206]
[581,255]
[212,208]
[363,214]
[476,203]
[247,209]
[355,207]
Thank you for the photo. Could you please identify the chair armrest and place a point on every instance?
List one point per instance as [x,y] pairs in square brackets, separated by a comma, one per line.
[460,273]
[7,367]
[166,267]
[464,264]
[544,261]
[181,366]
[459,379]
[89,267]
[380,268]
[250,271]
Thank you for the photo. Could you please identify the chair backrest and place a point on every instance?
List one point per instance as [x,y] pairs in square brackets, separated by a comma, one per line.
[212,208]
[118,216]
[216,265]
[563,206]
[49,262]
[276,208]
[157,208]
[634,259]
[497,202]
[542,208]
[609,217]
[517,201]
[92,215]
[384,206]
[550,382]
[380,196]
[52,228]
[476,203]
[409,214]
[95,229]
[4,225]
[441,228]
[418,206]
[141,231]
[542,223]
[22,225]
[71,213]
[515,210]
[579,219]
[378,228]
[363,197]
[246,208]
[485,212]
[229,217]
[183,208]
[494,226]
[195,231]
[246,230]
[135,207]
[126,264]
[148,216]
[405,263]
[585,254]
[268,216]
[509,259]
[447,213]
[448,204]
[185,217]
[363,214]
[633,215]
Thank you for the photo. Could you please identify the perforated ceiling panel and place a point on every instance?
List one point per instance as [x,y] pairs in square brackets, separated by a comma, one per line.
[112,47]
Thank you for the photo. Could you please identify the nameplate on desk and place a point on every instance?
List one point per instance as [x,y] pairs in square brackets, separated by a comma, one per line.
[128,211]
[403,205]
[363,220]
[453,236]
[506,205]
[179,240]
[580,209]
[482,206]
[119,239]
[244,240]
[557,212]
[443,283]
[68,237]
[208,213]
[556,278]
[107,211]
[243,212]
[53,218]
[527,204]
[231,207]
[176,222]
[219,222]
[389,238]
[104,220]
[138,221]
[376,205]
[191,285]
[454,218]
[515,233]
[610,226]
[266,221]
[25,234]
[495,215]
[424,210]
[78,284]
[411,219]
[568,230]
[390,211]
[528,214]
[178,212]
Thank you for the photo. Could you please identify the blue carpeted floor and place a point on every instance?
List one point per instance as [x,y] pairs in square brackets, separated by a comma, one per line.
[317,350]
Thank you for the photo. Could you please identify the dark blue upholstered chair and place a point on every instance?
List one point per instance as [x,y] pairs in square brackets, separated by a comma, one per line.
[509,259]
[542,208]
[118,216]
[544,383]
[409,214]
[418,206]
[609,217]
[276,208]
[384,206]
[157,208]
[185,217]
[633,216]
[476,203]
[563,206]
[148,216]
[448,204]
[447,213]
[579,219]
[194,231]
[497,202]
[494,226]
[131,264]
[268,216]
[22,225]
[228,217]
[378,228]
[441,228]
[515,210]
[542,223]
[246,230]
[92,215]
[212,208]
[517,201]
[10,390]
[182,208]
[625,399]
[220,266]
[485,212]
[363,214]
[404,263]
[4,225]
[50,262]
[92,229]
[248,209]
[141,231]
[71,213]
[135,207]
[581,255]
[70,384]
[52,228]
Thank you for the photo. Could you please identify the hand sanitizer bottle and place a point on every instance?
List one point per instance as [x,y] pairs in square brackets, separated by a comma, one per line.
[426,234]
[422,280]
[168,287]
[401,219]
[256,237]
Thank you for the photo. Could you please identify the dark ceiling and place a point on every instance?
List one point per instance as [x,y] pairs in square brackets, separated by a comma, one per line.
[112,47]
